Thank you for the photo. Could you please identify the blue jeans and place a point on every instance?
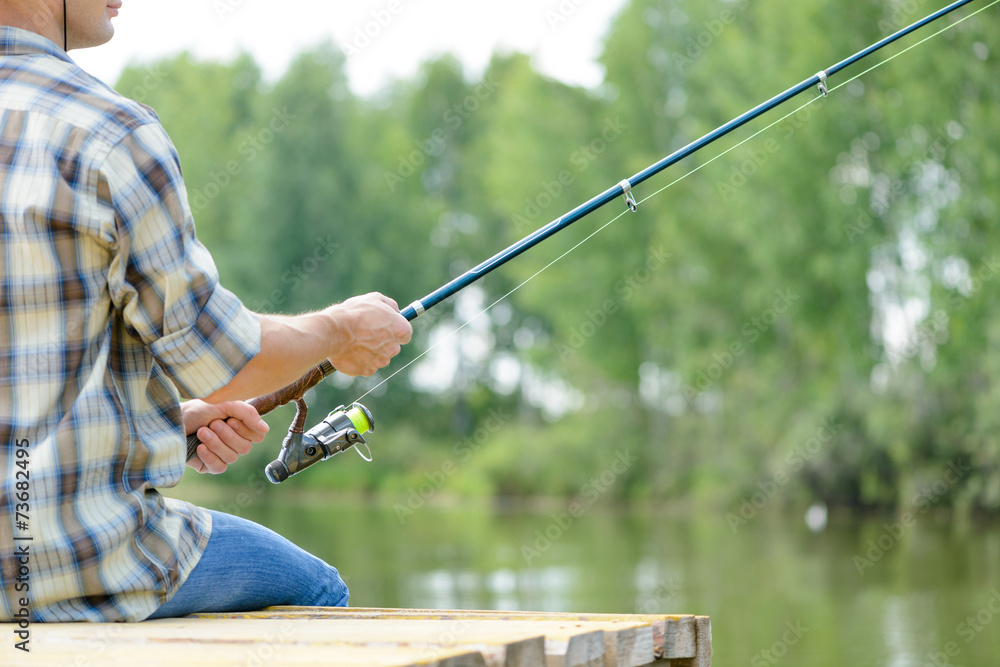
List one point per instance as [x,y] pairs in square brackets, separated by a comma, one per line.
[247,567]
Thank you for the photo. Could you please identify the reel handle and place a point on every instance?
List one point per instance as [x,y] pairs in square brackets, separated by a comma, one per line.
[265,404]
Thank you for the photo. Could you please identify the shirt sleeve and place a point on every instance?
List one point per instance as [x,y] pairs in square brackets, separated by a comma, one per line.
[162,280]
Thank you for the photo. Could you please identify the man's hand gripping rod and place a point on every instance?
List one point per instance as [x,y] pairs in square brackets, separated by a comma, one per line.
[341,429]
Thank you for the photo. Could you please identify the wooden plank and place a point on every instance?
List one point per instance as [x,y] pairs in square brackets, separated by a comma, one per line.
[657,621]
[55,651]
[626,645]
[703,658]
[675,636]
[554,644]
[680,639]
[374,612]
[500,647]
[527,653]
[215,655]
[696,632]
[508,646]
[566,643]
[390,637]
[585,650]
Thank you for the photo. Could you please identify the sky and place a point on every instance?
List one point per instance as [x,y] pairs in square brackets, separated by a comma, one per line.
[385,39]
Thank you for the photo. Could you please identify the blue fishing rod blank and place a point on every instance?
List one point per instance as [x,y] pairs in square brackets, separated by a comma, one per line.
[624,188]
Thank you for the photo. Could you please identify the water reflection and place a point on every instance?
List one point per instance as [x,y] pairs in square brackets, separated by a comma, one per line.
[901,629]
[657,587]
[538,589]
[778,593]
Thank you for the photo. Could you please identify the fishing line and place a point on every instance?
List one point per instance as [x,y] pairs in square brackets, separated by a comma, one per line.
[575,247]
[819,97]
[913,46]
[494,304]
[664,188]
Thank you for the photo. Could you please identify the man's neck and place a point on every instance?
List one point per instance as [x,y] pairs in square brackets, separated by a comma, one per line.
[42,20]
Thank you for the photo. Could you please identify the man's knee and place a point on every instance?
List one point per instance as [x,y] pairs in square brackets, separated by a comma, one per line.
[334,592]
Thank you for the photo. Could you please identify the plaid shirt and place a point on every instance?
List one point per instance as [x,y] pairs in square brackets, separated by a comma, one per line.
[110,310]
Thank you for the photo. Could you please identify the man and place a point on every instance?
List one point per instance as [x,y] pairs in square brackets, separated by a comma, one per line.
[110,312]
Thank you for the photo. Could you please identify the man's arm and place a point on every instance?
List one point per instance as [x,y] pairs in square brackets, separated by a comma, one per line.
[358,336]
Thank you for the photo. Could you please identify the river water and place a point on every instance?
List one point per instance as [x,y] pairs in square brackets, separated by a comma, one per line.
[900,592]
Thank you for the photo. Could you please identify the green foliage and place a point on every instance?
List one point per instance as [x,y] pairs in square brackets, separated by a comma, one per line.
[814,304]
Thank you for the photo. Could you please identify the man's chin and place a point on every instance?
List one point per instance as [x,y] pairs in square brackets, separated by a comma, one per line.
[96,40]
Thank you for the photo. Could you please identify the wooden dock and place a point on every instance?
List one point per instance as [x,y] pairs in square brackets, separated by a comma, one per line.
[372,638]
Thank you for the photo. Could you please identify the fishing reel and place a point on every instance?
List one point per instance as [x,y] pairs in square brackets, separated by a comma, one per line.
[340,430]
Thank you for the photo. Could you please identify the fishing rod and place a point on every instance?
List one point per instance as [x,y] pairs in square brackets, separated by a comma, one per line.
[345,427]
